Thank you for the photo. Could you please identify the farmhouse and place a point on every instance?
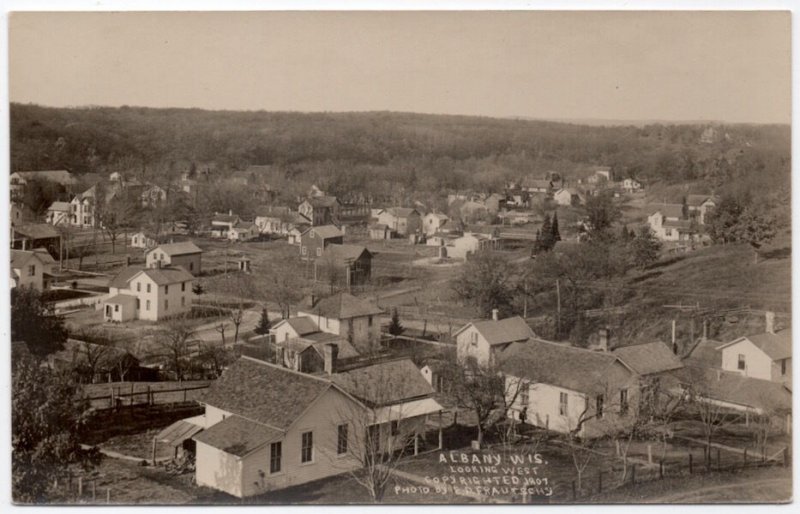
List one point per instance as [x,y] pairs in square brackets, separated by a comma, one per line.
[315,239]
[149,294]
[97,363]
[701,205]
[767,356]
[482,340]
[469,243]
[564,388]
[269,427]
[31,268]
[185,254]
[347,316]
[668,224]
[402,221]
[243,231]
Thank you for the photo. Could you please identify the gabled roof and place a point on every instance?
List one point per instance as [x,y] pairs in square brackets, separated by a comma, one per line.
[317,340]
[342,306]
[438,215]
[36,231]
[244,225]
[777,346]
[704,354]
[343,254]
[502,331]
[120,281]
[648,358]
[571,191]
[384,383]
[401,212]
[326,231]
[669,210]
[237,436]
[561,365]
[169,275]
[680,225]
[122,299]
[302,325]
[182,248]
[265,393]
[20,257]
[732,387]
[59,206]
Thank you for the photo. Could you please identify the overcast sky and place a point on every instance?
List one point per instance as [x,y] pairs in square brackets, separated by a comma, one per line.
[556,65]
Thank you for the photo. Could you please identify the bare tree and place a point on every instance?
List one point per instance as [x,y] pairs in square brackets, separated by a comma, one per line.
[214,357]
[174,341]
[93,358]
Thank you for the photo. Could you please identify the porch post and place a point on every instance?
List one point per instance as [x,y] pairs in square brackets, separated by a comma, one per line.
[416,444]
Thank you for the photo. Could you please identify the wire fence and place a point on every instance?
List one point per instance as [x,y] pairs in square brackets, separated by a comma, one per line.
[127,395]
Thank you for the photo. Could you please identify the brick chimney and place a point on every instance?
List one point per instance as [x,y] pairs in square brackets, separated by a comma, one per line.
[602,343]
[331,355]
[770,322]
[495,314]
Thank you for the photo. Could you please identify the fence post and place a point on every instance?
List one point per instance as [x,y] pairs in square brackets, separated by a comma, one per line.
[649,453]
[661,468]
[690,464]
[154,451]
[719,466]
[599,481]
[574,495]
[108,495]
[94,490]
[80,486]
[633,473]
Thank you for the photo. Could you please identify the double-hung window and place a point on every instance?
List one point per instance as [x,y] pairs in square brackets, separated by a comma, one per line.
[341,439]
[562,403]
[307,447]
[275,454]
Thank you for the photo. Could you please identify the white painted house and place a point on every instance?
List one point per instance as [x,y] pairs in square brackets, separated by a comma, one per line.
[482,340]
[149,294]
[347,316]
[434,222]
[185,254]
[568,389]
[31,268]
[58,213]
[568,196]
[269,427]
[466,245]
[631,185]
[767,356]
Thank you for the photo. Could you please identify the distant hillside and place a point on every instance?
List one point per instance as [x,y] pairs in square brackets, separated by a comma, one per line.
[386,152]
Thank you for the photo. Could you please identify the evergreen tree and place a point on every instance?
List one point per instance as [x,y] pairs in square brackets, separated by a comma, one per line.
[645,249]
[263,323]
[545,242]
[556,234]
[685,209]
[395,327]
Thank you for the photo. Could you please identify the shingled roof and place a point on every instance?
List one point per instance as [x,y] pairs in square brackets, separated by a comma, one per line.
[401,212]
[669,210]
[302,325]
[704,353]
[36,231]
[164,276]
[120,281]
[732,387]
[326,231]
[237,436]
[342,306]
[341,254]
[182,248]
[561,365]
[777,346]
[648,358]
[265,393]
[503,331]
[384,383]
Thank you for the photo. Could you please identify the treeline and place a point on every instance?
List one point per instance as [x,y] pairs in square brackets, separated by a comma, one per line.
[378,152]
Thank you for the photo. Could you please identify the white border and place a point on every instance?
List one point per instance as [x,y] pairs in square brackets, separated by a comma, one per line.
[248,5]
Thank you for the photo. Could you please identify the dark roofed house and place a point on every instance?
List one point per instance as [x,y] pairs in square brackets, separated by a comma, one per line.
[185,254]
[648,358]
[315,239]
[704,354]
[554,383]
[402,221]
[36,235]
[320,210]
[343,314]
[344,265]
[269,427]
[482,340]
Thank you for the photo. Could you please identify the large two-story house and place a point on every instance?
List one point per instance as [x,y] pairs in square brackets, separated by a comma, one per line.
[31,268]
[149,294]
[185,254]
[484,339]
[314,240]
[347,316]
[320,210]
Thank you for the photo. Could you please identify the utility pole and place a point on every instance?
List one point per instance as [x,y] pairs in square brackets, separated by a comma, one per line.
[558,308]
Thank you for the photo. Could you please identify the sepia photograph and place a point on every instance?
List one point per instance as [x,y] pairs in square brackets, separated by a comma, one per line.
[491,258]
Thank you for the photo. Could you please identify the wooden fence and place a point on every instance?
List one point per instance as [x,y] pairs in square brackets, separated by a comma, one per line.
[656,469]
[144,394]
